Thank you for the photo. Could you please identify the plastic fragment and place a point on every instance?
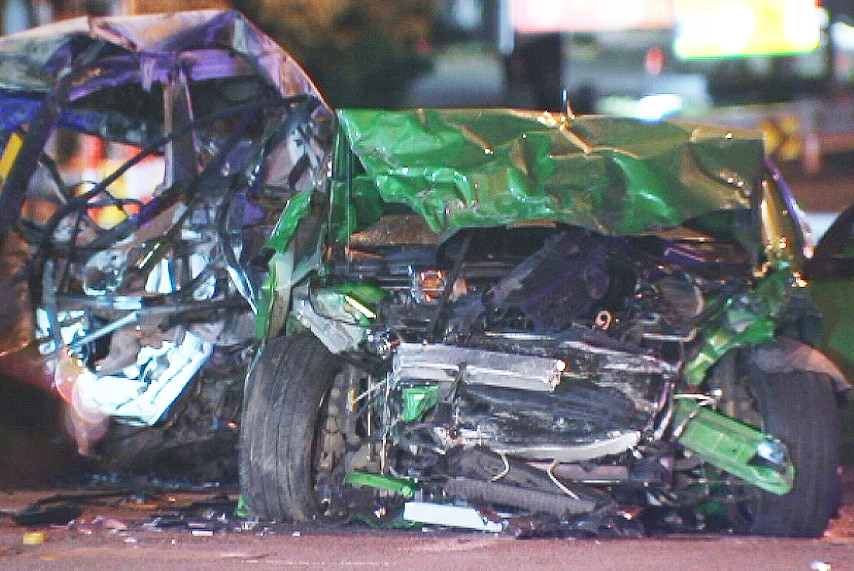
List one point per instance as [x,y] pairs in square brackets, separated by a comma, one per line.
[101,523]
[203,533]
[404,486]
[241,509]
[451,516]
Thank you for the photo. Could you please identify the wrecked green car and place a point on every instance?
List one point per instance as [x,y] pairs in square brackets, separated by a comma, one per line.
[513,314]
[491,319]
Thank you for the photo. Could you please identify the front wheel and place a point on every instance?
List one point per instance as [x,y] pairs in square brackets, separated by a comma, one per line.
[799,408]
[291,447]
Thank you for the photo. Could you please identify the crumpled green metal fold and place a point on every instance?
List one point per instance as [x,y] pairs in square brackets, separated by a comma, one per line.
[747,318]
[485,167]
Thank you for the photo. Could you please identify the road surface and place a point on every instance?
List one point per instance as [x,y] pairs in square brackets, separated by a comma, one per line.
[129,536]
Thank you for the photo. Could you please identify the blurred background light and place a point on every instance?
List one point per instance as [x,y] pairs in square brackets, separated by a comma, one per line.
[739,28]
[648,108]
[539,16]
[843,35]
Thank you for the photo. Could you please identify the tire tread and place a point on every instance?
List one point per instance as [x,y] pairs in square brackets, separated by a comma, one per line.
[284,390]
[799,408]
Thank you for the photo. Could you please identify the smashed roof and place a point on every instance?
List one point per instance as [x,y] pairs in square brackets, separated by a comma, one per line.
[148,45]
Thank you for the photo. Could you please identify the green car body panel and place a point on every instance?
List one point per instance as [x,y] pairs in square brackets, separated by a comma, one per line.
[466,168]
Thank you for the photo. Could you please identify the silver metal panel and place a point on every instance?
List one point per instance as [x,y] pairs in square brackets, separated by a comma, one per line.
[447,362]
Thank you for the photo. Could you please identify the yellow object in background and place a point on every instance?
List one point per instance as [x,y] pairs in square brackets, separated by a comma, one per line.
[33,538]
[741,28]
[11,151]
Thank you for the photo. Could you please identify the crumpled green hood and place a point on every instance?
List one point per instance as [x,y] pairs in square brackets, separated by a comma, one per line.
[485,167]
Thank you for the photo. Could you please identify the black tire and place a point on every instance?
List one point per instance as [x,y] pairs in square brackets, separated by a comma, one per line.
[800,409]
[284,411]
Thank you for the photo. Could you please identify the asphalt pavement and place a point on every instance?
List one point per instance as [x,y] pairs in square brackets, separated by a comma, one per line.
[126,533]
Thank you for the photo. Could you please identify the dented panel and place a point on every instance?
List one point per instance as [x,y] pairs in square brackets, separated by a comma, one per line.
[464,168]
[470,310]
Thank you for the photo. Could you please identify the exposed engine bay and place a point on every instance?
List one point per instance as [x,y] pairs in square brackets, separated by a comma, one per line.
[527,367]
[538,354]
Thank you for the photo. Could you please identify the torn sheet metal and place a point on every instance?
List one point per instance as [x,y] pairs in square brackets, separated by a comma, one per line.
[142,220]
[146,49]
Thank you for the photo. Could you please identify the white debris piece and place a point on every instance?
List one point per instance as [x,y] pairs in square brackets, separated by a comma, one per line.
[451,516]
